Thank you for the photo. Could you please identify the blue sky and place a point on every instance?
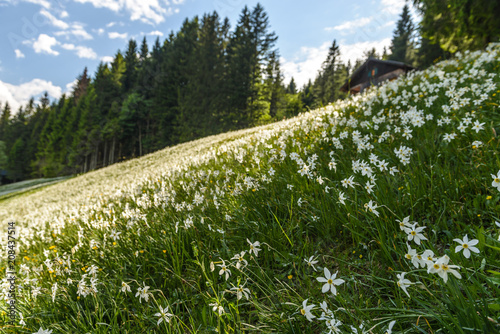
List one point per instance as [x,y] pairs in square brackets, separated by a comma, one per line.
[45,44]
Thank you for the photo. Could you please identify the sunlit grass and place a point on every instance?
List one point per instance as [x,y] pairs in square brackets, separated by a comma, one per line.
[232,232]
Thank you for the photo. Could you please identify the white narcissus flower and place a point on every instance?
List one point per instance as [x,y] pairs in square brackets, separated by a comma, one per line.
[330,282]
[478,126]
[442,268]
[241,291]
[239,257]
[404,223]
[311,262]
[467,245]
[372,207]
[403,282]
[254,247]
[496,180]
[224,270]
[43,331]
[389,329]
[414,233]
[306,310]
[125,287]
[164,315]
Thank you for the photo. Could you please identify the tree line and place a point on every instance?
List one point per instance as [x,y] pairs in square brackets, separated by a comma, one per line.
[202,80]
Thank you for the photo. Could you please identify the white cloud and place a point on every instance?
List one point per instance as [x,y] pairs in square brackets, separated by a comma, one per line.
[43,3]
[19,54]
[76,30]
[44,44]
[107,59]
[81,51]
[156,33]
[306,65]
[147,11]
[308,62]
[355,51]
[393,6]
[70,86]
[114,35]
[63,14]
[100,31]
[19,95]
[54,21]
[350,26]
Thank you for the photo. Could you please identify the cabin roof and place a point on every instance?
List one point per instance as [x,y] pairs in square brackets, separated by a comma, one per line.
[360,74]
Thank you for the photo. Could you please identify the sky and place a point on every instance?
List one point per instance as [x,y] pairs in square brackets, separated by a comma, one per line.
[46,44]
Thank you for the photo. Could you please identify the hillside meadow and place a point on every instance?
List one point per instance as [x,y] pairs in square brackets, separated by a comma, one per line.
[377,214]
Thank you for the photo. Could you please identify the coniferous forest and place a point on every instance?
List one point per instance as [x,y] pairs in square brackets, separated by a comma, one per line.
[206,78]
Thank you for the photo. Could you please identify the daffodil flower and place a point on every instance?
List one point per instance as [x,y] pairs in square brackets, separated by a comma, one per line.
[467,245]
[403,282]
[306,310]
[330,282]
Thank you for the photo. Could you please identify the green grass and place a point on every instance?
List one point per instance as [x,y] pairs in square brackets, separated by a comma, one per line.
[183,214]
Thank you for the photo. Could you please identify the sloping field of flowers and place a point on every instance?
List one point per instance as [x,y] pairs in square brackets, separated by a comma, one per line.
[378,214]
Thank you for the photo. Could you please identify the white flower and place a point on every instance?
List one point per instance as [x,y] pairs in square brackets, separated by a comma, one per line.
[311,262]
[224,270]
[372,207]
[442,268]
[126,287]
[477,144]
[412,256]
[306,310]
[478,126]
[240,260]
[43,331]
[496,180]
[54,290]
[389,329]
[414,233]
[403,282]
[342,197]
[164,315]
[404,223]
[143,293]
[217,308]
[467,246]
[241,291]
[330,282]
[115,235]
[348,182]
[254,247]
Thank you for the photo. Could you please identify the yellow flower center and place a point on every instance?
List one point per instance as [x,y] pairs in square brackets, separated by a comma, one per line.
[497,180]
[330,281]
[413,233]
[408,256]
[436,266]
[444,266]
[302,311]
[465,246]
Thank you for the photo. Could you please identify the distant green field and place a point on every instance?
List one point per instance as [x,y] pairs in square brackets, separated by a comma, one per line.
[14,189]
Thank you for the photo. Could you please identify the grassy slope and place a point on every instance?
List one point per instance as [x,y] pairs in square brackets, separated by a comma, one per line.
[181,212]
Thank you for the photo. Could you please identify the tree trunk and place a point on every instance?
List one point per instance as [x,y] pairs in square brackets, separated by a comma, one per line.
[140,141]
[105,153]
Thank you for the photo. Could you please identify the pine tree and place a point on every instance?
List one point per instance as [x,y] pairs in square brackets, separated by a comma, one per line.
[81,86]
[402,40]
[292,87]
[129,79]
[460,25]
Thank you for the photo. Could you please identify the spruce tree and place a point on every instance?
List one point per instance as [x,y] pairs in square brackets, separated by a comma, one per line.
[402,43]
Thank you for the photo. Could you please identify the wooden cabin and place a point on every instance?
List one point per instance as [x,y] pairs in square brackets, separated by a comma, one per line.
[374,72]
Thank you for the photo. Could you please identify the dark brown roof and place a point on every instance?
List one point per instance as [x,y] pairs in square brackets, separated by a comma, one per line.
[374,71]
